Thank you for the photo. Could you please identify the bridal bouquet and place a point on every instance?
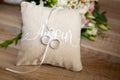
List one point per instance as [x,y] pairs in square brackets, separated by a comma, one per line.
[94,22]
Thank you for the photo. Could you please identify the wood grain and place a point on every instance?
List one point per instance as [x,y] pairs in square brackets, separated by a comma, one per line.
[94,69]
[10,17]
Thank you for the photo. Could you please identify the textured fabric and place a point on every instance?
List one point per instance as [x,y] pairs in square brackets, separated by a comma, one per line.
[66,24]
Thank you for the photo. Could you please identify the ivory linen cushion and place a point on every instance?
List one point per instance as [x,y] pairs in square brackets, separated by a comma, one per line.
[63,37]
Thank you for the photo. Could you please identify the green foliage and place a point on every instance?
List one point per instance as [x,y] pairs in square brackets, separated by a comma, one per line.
[86,35]
[50,3]
[15,40]
[100,18]
[89,16]
[47,3]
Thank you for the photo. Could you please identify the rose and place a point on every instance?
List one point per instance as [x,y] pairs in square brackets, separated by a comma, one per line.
[90,11]
[92,7]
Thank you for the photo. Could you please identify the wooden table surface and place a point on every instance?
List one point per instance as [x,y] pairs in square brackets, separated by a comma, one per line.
[94,67]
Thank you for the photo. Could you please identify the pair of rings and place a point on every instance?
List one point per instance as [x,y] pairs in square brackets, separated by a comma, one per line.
[53,43]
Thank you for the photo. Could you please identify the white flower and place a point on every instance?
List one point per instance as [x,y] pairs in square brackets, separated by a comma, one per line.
[93,31]
[41,3]
[62,2]
[91,24]
[33,2]
[84,7]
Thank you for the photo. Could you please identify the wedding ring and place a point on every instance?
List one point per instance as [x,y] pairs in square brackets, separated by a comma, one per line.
[55,43]
[45,39]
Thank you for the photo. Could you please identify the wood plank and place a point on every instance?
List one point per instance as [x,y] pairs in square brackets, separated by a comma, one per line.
[113,13]
[10,15]
[108,46]
[94,69]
